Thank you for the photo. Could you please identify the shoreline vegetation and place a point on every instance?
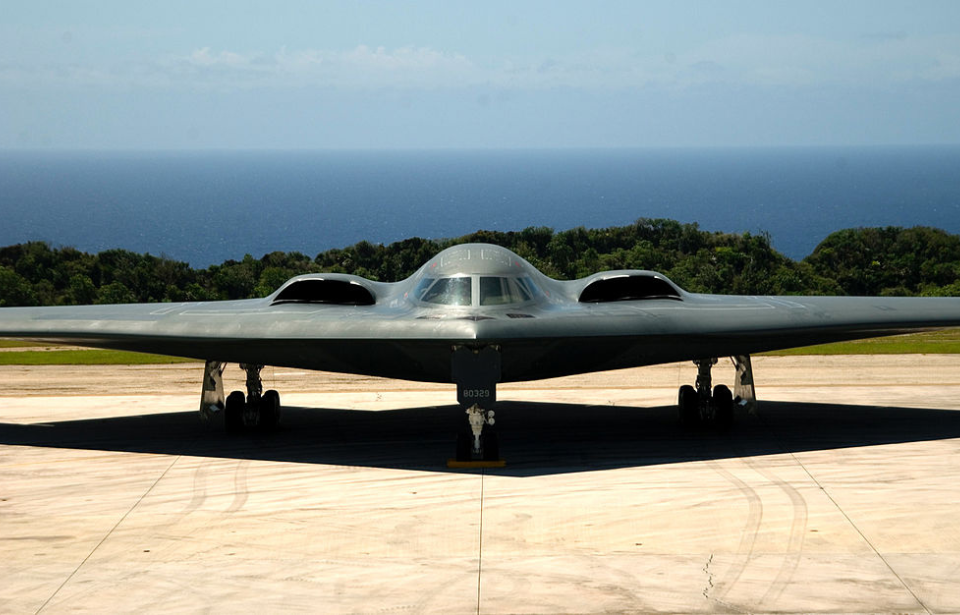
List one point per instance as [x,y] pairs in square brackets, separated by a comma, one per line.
[887,261]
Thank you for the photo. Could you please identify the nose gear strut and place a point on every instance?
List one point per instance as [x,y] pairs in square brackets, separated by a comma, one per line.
[476,372]
[479,417]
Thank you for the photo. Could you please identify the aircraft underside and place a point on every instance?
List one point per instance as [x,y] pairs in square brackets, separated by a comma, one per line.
[475,370]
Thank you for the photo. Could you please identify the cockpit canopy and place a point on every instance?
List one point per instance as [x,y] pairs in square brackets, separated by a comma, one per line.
[489,290]
[476,275]
[445,291]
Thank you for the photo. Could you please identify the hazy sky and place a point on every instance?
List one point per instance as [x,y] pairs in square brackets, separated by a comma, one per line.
[370,74]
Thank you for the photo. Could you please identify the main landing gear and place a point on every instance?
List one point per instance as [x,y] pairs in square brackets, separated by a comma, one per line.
[255,410]
[707,405]
[258,410]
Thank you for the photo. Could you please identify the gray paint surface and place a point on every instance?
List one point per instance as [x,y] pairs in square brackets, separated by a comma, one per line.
[546,333]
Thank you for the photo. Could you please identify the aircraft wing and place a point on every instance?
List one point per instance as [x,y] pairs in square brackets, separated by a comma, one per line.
[356,339]
[476,296]
[646,332]
[537,341]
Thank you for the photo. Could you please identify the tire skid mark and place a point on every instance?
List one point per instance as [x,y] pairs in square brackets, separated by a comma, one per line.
[199,495]
[452,584]
[240,490]
[184,592]
[796,459]
[798,529]
[748,536]
[621,583]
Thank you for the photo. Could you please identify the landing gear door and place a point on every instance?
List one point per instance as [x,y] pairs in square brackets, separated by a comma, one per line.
[476,373]
[211,397]
[743,387]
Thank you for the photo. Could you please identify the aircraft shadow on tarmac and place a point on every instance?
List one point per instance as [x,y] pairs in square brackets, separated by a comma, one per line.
[536,438]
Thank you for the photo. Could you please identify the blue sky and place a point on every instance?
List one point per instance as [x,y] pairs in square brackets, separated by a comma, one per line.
[369,74]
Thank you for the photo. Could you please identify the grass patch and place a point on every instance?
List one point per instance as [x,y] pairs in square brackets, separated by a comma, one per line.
[21,344]
[932,342]
[86,357]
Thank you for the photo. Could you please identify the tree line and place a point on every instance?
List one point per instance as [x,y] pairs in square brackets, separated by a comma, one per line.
[864,261]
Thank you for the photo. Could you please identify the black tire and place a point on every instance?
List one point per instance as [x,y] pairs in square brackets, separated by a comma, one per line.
[464,447]
[688,402]
[233,412]
[269,410]
[490,443]
[723,406]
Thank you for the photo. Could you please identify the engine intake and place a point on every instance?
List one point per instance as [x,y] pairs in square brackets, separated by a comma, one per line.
[629,287]
[326,291]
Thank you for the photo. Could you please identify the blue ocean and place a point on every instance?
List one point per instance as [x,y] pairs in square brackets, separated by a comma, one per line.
[207,207]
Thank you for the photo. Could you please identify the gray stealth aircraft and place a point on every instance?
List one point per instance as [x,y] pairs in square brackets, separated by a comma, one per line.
[476,315]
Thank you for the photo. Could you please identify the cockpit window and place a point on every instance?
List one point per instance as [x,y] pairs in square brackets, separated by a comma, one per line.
[527,285]
[446,291]
[422,287]
[501,291]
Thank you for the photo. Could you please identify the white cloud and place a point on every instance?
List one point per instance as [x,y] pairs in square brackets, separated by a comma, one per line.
[404,58]
[754,60]
[203,57]
[361,66]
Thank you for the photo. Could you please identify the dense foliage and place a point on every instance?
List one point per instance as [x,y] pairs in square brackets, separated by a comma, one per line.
[866,261]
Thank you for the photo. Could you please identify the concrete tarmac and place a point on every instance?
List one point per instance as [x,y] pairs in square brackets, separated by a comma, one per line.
[841,495]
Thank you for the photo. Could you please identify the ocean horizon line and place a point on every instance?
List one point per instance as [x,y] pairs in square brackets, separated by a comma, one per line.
[479,149]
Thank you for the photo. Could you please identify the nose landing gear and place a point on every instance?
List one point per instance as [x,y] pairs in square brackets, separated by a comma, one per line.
[476,372]
[477,445]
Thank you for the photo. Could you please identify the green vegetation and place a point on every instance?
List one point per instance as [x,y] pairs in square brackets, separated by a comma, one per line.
[867,261]
[74,356]
[19,344]
[934,342]
[918,261]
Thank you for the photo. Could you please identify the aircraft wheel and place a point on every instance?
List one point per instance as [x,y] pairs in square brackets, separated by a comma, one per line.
[687,406]
[490,442]
[233,412]
[464,447]
[723,405]
[269,410]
